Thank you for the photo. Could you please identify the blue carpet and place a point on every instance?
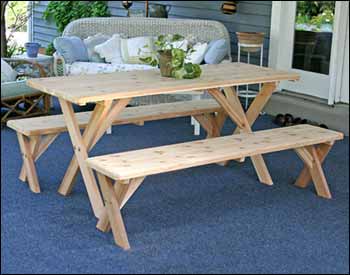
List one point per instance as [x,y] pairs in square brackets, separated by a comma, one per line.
[209,219]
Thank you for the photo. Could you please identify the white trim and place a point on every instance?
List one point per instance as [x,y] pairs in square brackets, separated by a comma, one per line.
[30,23]
[276,15]
[338,51]
[281,15]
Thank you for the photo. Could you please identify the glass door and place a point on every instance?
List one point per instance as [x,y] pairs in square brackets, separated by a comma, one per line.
[307,45]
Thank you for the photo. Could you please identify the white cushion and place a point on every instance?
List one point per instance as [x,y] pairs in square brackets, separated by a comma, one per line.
[135,48]
[110,50]
[196,56]
[91,42]
[90,68]
[7,73]
[182,44]
[217,51]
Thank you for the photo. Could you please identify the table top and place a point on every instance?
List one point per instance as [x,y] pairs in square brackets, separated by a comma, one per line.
[39,58]
[85,89]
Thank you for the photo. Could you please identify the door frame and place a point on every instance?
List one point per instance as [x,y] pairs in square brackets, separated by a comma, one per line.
[283,13]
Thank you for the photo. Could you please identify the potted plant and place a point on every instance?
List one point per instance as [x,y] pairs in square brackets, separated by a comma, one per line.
[250,38]
[170,55]
[32,49]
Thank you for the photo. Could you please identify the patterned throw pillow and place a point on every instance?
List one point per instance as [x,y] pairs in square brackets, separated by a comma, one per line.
[111,50]
[72,48]
[135,48]
[91,42]
[7,73]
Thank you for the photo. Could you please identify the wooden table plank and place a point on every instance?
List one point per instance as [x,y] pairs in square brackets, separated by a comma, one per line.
[90,89]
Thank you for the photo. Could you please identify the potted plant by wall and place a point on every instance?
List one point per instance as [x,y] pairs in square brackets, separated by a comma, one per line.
[170,55]
[32,49]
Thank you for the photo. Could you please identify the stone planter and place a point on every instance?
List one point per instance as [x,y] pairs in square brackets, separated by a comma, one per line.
[165,63]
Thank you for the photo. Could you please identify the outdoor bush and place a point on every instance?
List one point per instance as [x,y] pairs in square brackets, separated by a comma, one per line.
[64,12]
[315,13]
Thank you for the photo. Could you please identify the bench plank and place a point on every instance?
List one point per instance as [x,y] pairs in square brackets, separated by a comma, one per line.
[157,160]
[55,124]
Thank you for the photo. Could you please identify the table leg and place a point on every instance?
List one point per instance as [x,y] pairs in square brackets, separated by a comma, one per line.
[101,119]
[100,112]
[231,104]
[259,103]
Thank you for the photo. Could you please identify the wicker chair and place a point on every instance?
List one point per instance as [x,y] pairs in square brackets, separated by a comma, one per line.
[18,100]
[203,30]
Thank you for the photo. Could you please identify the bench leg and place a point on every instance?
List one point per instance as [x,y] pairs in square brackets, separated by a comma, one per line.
[38,147]
[304,178]
[33,143]
[231,104]
[313,159]
[113,212]
[29,165]
[124,191]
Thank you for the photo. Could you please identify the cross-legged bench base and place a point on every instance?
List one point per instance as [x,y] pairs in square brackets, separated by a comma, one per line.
[128,170]
[35,135]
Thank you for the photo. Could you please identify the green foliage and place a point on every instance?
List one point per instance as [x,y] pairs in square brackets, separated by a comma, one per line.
[188,71]
[315,13]
[181,70]
[50,49]
[17,11]
[178,58]
[14,49]
[64,12]
[314,8]
[327,17]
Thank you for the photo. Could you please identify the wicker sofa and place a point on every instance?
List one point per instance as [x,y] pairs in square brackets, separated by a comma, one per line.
[204,30]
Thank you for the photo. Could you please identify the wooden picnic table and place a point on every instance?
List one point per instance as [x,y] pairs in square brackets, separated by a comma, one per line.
[113,92]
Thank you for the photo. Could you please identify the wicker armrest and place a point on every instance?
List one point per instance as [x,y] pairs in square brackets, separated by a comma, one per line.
[59,65]
[15,62]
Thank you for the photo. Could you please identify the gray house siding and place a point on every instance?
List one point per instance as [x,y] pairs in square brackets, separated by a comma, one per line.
[252,16]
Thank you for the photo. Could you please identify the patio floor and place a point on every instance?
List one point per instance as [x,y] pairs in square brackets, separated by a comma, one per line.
[210,219]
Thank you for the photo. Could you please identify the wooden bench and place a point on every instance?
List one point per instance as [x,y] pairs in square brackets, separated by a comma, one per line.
[35,135]
[128,170]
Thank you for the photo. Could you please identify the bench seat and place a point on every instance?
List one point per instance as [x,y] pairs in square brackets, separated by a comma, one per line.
[55,124]
[35,135]
[128,170]
[146,162]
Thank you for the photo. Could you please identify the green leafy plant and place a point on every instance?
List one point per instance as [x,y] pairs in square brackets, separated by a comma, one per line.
[64,12]
[171,45]
[14,49]
[327,17]
[50,49]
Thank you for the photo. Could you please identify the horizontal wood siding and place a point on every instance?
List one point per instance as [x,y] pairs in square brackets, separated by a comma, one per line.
[252,16]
